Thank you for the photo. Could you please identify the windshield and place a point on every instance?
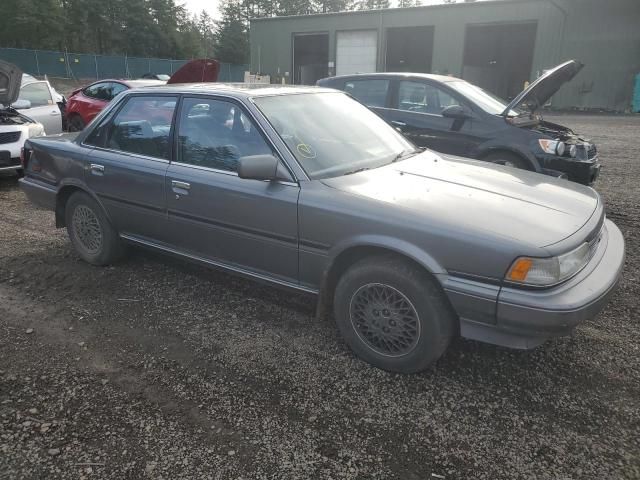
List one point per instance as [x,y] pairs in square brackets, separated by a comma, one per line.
[489,102]
[331,134]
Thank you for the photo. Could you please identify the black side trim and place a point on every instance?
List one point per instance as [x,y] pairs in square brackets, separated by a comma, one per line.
[238,228]
[129,202]
[314,245]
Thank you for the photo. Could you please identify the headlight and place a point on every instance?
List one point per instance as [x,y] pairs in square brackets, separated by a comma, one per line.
[573,151]
[552,147]
[36,130]
[549,271]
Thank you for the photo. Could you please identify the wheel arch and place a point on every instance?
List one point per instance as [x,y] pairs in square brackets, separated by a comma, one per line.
[346,255]
[513,150]
[63,195]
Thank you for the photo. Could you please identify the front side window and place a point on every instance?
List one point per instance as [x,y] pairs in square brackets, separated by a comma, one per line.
[37,93]
[331,134]
[143,126]
[373,93]
[215,134]
[423,98]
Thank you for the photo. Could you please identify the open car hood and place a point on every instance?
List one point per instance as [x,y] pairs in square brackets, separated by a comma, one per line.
[10,80]
[544,87]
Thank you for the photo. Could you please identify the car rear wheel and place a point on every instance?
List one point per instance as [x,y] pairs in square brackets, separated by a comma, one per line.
[91,234]
[76,124]
[392,314]
[508,159]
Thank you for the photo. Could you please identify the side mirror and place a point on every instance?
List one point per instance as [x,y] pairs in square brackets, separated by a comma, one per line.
[455,111]
[262,167]
[21,104]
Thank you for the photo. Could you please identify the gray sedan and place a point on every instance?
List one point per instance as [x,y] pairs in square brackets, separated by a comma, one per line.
[307,189]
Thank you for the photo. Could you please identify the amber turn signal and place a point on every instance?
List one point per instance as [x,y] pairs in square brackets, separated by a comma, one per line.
[520,269]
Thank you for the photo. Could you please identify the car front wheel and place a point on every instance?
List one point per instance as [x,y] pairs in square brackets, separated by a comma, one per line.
[392,314]
[91,234]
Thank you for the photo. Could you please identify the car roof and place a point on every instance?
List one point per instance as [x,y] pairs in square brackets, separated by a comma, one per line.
[235,89]
[131,83]
[426,76]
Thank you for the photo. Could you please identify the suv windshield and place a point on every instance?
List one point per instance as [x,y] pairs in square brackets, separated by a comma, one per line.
[331,134]
[489,102]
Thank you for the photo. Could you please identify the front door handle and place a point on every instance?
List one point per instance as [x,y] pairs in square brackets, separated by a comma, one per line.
[398,123]
[180,188]
[55,113]
[97,169]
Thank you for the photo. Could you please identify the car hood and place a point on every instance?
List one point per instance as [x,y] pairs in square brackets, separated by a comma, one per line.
[544,87]
[478,198]
[10,79]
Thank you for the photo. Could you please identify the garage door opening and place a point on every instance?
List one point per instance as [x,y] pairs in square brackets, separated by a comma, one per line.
[409,49]
[356,52]
[310,58]
[498,58]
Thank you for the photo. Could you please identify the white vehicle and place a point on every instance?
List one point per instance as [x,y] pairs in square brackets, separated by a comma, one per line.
[15,127]
[44,103]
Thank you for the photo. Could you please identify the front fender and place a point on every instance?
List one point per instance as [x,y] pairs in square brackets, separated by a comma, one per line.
[495,145]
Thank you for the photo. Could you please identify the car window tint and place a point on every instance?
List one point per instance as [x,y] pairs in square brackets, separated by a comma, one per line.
[373,93]
[37,93]
[143,126]
[99,91]
[117,88]
[216,133]
[423,98]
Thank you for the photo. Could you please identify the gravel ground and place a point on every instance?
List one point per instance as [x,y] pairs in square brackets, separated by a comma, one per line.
[157,369]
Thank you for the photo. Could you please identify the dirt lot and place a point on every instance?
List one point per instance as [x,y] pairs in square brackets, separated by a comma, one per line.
[156,369]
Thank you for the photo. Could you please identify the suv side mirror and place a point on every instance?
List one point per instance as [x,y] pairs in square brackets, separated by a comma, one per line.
[262,167]
[455,111]
[21,104]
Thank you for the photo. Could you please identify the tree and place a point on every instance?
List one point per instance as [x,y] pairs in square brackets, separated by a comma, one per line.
[232,34]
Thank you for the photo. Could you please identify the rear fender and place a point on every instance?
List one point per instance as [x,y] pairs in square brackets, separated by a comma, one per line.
[68,187]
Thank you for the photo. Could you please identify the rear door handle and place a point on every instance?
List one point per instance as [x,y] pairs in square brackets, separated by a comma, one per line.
[97,169]
[181,188]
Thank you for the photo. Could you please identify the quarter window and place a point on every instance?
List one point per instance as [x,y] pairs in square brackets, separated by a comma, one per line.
[37,93]
[100,91]
[423,98]
[215,134]
[373,93]
[143,126]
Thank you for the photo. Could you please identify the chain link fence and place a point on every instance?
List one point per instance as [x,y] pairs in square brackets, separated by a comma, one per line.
[85,66]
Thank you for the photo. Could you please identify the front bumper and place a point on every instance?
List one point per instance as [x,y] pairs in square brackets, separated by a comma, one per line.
[585,172]
[526,318]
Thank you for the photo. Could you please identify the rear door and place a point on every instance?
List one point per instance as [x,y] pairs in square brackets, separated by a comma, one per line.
[375,93]
[126,169]
[43,107]
[213,214]
[417,113]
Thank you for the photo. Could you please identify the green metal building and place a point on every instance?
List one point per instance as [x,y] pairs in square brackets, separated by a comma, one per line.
[498,45]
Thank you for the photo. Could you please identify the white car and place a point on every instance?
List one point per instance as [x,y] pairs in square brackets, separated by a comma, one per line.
[15,127]
[44,103]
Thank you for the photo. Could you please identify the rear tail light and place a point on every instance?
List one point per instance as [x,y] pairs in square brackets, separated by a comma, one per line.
[25,156]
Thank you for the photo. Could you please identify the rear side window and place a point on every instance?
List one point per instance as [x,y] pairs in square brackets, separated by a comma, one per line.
[117,88]
[143,126]
[372,93]
[423,98]
[37,93]
[100,91]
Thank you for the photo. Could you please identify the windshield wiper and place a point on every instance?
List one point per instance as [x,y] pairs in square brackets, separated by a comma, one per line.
[405,154]
[357,170]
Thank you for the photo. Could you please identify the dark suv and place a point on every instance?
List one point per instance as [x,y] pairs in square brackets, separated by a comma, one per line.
[452,116]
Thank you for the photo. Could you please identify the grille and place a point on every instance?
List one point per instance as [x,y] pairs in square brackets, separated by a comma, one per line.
[9,137]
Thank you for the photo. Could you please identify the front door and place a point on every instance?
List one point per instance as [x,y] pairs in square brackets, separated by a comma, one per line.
[43,108]
[417,113]
[215,215]
[127,168]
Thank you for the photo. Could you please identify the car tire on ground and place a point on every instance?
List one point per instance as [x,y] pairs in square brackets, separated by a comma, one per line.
[75,123]
[91,233]
[508,159]
[393,314]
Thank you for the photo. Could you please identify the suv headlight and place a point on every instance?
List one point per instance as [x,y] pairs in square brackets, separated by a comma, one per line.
[552,147]
[36,130]
[549,271]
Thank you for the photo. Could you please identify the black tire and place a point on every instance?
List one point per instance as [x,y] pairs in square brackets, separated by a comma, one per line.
[355,306]
[75,123]
[508,159]
[90,232]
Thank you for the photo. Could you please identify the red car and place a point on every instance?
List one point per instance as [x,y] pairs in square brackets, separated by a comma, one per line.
[85,103]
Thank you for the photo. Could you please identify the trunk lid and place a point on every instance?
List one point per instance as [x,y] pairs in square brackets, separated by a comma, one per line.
[544,87]
[10,80]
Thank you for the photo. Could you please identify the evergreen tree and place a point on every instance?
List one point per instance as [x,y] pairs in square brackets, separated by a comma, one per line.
[232,34]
